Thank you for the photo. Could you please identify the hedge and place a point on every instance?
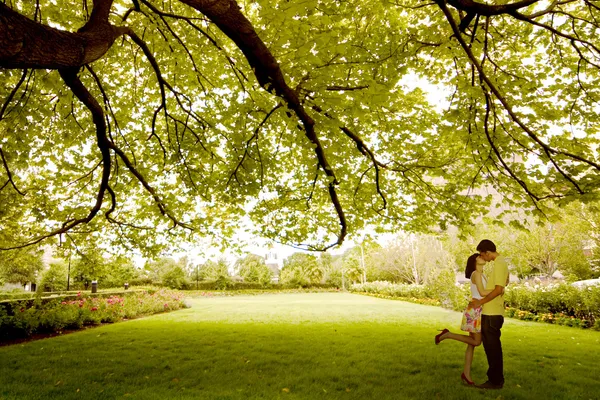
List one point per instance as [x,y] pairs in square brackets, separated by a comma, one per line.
[559,304]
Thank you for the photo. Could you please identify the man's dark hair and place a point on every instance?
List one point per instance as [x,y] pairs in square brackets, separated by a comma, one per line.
[486,245]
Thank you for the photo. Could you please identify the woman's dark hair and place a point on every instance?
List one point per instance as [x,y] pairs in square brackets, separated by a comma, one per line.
[471,265]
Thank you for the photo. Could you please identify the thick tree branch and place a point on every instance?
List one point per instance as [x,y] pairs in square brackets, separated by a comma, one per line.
[476,8]
[25,43]
[80,91]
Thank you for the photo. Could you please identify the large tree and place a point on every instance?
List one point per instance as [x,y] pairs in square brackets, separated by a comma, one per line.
[252,268]
[122,118]
[21,266]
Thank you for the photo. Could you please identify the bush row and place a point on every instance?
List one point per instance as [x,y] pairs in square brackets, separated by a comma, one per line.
[448,296]
[25,318]
[581,303]
[226,284]
[558,319]
[254,292]
[561,304]
[221,284]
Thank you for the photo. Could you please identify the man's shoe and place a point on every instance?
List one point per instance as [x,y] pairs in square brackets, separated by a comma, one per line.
[488,385]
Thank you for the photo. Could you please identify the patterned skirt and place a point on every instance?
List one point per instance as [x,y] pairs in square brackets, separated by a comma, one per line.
[471,320]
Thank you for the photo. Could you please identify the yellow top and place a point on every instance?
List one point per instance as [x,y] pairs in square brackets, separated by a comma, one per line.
[498,276]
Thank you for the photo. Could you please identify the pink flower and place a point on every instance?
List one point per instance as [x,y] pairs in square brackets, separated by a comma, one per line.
[94,308]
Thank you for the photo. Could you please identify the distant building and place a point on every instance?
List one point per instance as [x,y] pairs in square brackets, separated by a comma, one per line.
[558,275]
[274,262]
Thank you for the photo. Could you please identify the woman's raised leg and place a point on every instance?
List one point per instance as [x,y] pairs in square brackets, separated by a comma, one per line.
[473,341]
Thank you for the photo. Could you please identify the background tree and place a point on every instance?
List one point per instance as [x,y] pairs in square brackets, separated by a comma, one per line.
[21,266]
[214,270]
[176,277]
[143,117]
[352,265]
[120,270]
[564,243]
[301,269]
[332,269]
[587,219]
[555,246]
[168,272]
[87,267]
[252,268]
[54,278]
[413,259]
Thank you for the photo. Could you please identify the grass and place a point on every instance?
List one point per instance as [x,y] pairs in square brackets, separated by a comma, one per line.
[296,346]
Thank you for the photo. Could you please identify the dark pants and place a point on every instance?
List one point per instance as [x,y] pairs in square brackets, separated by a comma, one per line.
[490,332]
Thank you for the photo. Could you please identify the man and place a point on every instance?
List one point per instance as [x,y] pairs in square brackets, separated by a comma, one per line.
[492,316]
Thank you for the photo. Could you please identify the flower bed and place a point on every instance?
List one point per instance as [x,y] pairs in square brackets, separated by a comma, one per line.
[558,319]
[580,303]
[23,319]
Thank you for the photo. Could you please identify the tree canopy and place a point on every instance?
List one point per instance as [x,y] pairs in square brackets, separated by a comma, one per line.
[121,119]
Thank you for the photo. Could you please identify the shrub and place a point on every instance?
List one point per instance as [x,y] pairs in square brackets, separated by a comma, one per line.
[175,278]
[450,295]
[223,282]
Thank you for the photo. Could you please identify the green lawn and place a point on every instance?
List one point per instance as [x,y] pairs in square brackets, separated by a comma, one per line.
[296,346]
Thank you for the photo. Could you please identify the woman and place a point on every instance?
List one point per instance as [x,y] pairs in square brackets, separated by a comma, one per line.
[472,316]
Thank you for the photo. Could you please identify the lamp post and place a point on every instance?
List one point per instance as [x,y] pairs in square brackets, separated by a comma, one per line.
[362,261]
[69,274]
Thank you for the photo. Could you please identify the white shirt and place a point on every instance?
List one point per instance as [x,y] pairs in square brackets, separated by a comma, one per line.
[474,291]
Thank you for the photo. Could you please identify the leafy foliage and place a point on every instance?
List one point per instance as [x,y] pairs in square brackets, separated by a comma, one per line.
[566,243]
[214,270]
[252,268]
[54,278]
[20,266]
[301,269]
[167,272]
[108,272]
[313,118]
